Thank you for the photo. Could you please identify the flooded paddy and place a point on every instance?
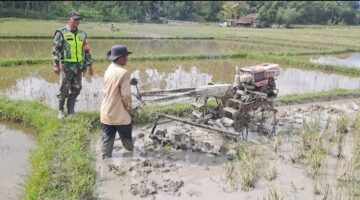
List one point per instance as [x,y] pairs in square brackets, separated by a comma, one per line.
[15,145]
[20,49]
[37,82]
[168,173]
[347,60]
[283,164]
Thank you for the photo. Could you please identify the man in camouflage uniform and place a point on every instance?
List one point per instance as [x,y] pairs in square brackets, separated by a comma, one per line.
[71,58]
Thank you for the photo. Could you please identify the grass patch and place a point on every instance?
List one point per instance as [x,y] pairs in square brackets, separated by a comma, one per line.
[312,146]
[243,169]
[341,129]
[61,165]
[14,62]
[350,177]
[289,60]
[273,193]
[271,174]
[316,96]
[109,37]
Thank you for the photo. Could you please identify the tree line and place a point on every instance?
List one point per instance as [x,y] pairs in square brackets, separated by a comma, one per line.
[269,12]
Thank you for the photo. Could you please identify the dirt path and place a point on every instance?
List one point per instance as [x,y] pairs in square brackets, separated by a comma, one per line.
[152,172]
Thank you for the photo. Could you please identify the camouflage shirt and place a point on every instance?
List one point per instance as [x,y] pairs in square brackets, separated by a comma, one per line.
[57,47]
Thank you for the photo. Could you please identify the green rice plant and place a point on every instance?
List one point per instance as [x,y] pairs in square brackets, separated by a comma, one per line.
[297,152]
[315,159]
[349,177]
[342,124]
[230,175]
[330,130]
[326,192]
[273,193]
[242,170]
[326,133]
[356,124]
[166,148]
[340,146]
[316,189]
[246,168]
[277,142]
[341,129]
[271,174]
[348,171]
[307,134]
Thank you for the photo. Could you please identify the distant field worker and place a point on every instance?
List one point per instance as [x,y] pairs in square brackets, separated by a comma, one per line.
[116,106]
[71,58]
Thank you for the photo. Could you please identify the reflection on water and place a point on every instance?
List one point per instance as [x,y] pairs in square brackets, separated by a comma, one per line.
[301,81]
[180,78]
[351,61]
[35,87]
[14,152]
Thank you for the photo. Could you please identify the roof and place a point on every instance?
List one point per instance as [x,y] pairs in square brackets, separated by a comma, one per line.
[248,19]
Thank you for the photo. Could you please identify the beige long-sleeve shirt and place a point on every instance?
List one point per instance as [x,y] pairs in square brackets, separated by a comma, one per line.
[116,104]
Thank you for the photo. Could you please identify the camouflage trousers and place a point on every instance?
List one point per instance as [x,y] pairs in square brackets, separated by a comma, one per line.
[70,80]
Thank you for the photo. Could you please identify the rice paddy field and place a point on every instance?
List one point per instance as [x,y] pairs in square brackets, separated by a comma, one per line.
[318,63]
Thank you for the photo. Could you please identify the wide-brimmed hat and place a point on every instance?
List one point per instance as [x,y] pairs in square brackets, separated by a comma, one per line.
[74,15]
[117,51]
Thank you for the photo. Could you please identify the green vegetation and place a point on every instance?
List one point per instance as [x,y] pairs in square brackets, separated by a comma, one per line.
[272,45]
[12,62]
[315,158]
[286,46]
[279,12]
[313,37]
[271,174]
[61,166]
[243,169]
[341,129]
[253,55]
[350,176]
[273,193]
[316,96]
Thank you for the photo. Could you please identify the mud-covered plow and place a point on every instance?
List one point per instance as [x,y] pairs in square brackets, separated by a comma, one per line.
[233,110]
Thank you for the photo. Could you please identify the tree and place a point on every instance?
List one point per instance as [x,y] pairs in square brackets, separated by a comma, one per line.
[232,10]
[267,13]
[286,16]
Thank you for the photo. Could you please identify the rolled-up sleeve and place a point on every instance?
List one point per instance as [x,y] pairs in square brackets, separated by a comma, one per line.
[125,90]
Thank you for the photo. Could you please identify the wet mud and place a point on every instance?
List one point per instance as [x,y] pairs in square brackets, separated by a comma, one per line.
[158,171]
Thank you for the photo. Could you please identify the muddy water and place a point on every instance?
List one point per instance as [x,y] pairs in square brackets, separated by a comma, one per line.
[37,82]
[42,48]
[205,177]
[348,60]
[15,146]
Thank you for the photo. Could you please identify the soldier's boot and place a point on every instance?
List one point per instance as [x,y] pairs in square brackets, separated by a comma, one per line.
[61,114]
[71,105]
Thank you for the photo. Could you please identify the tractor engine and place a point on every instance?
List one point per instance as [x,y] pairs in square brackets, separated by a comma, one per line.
[259,78]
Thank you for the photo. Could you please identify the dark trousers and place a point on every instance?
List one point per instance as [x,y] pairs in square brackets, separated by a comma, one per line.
[108,137]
